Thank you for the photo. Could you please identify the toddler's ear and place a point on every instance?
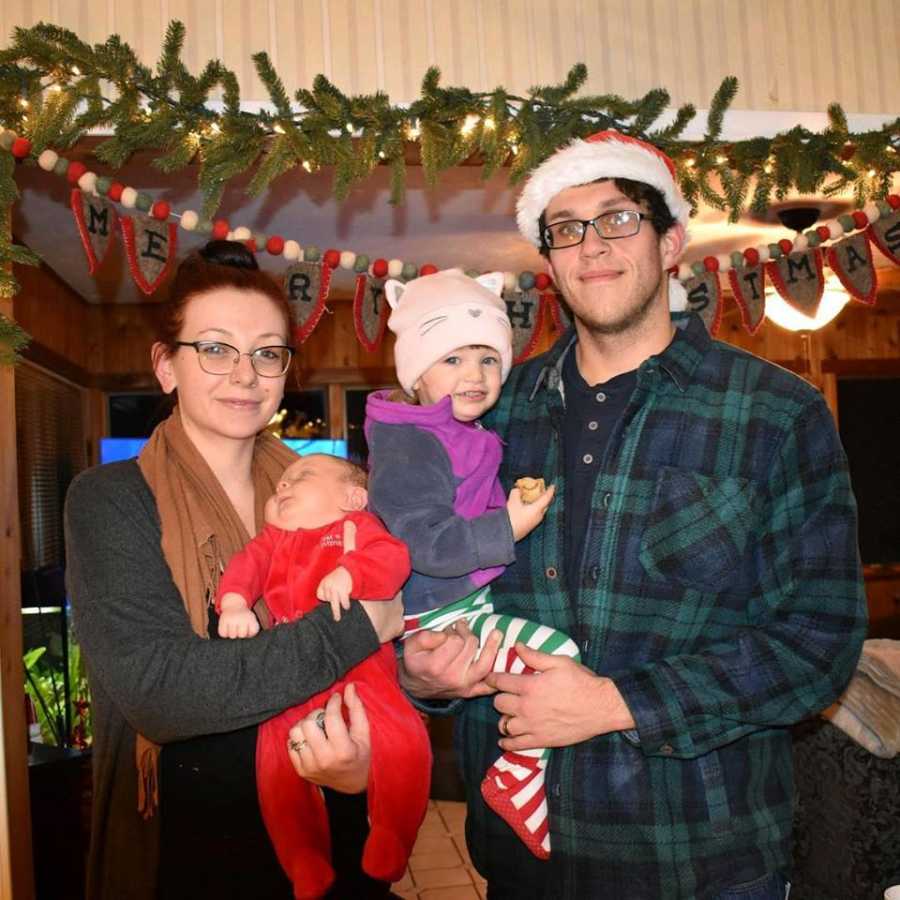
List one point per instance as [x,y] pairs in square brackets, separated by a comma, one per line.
[393,290]
[493,281]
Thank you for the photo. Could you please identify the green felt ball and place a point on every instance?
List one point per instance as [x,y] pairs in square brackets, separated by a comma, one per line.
[144,201]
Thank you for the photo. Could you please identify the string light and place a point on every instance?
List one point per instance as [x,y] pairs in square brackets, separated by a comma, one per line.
[349,127]
[489,124]
[468,126]
[514,149]
[76,70]
[413,131]
[689,163]
[24,103]
[278,129]
[721,160]
[215,129]
[871,173]
[307,165]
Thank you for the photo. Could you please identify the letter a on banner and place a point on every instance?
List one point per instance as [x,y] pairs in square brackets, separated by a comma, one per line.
[150,246]
[370,311]
[851,260]
[705,299]
[885,235]
[748,284]
[798,278]
[96,221]
[306,285]
[525,310]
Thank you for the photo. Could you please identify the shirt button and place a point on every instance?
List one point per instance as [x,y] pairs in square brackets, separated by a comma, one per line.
[587,459]
[585,645]
[666,749]
[593,426]
[606,498]
[556,790]
[600,397]
[595,574]
[551,573]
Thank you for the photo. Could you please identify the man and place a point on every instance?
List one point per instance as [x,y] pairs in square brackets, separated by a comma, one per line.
[701,551]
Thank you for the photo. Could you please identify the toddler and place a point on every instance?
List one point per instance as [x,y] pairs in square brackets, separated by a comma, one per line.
[434,482]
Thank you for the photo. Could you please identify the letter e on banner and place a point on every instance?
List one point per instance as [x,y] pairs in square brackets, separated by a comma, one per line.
[150,246]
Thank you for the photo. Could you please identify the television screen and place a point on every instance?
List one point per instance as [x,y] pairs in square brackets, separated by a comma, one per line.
[115,449]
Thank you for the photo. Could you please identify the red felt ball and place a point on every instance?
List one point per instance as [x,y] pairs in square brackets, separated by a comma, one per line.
[115,191]
[21,147]
[860,219]
[711,264]
[542,281]
[428,269]
[75,171]
[380,268]
[894,200]
[275,245]
[751,254]
[220,229]
[250,244]
[786,245]
[332,258]
[824,232]
[160,210]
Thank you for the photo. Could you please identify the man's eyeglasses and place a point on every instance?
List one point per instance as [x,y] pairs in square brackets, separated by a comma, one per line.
[218,358]
[611,226]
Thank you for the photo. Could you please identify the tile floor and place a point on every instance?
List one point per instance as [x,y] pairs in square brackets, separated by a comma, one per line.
[440,868]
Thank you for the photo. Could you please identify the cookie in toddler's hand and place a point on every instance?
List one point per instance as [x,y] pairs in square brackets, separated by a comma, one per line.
[530,488]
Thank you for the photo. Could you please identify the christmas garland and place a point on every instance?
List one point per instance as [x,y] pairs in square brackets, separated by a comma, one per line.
[52,91]
[13,340]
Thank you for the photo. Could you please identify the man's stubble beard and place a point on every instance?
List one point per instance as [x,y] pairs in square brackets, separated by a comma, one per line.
[632,320]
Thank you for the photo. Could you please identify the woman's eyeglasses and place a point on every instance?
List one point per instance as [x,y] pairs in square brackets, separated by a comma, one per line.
[218,358]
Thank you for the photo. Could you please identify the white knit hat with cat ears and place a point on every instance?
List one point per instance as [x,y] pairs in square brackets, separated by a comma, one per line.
[436,314]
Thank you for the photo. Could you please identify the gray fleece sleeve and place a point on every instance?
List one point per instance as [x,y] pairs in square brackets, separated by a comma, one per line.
[412,488]
[169,683]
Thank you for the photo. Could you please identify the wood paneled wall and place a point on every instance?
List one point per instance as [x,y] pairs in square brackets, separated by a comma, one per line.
[797,55]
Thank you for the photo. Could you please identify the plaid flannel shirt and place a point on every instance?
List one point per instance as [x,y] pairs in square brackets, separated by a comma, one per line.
[719,587]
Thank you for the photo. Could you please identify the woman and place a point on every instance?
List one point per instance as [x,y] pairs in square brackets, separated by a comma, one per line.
[146,541]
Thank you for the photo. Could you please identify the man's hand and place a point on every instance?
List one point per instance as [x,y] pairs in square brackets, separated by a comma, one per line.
[236,619]
[331,754]
[564,703]
[447,664]
[335,589]
[525,517]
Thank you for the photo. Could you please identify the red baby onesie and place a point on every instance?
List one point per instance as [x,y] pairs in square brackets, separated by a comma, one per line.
[286,567]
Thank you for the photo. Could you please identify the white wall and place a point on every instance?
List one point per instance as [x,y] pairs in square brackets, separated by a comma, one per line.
[788,54]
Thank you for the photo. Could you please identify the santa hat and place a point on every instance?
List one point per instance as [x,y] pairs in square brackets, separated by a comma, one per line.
[436,314]
[607,154]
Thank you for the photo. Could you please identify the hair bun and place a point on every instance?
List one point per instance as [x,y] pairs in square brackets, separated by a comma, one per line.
[229,253]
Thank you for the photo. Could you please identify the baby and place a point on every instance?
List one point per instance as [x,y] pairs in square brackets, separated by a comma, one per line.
[302,557]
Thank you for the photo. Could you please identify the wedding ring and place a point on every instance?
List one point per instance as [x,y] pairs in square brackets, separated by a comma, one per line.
[297,746]
[320,720]
[504,725]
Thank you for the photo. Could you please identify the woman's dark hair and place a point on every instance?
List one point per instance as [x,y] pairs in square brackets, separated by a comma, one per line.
[218,264]
[650,198]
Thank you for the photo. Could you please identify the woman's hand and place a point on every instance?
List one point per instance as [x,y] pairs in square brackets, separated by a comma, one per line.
[331,754]
[447,664]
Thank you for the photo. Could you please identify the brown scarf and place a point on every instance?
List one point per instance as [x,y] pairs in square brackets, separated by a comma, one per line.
[201,531]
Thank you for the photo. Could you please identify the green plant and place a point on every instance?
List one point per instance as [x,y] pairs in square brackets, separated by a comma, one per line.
[44,684]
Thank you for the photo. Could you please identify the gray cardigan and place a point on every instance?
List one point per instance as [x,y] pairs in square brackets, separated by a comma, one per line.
[149,672]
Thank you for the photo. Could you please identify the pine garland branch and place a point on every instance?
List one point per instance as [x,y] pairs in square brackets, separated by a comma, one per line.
[13,339]
[168,109]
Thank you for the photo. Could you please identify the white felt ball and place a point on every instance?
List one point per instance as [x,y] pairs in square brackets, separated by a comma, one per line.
[801,244]
[835,229]
[88,182]
[724,262]
[763,251]
[229,236]
[291,250]
[510,281]
[395,268]
[129,197]
[47,160]
[242,233]
[189,220]
[348,258]
[684,272]
[873,213]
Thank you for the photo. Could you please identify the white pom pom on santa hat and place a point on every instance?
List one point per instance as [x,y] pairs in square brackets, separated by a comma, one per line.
[607,154]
